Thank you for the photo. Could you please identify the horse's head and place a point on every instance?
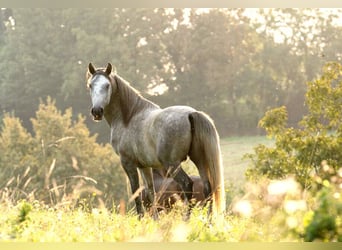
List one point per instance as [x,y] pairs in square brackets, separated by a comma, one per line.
[100,87]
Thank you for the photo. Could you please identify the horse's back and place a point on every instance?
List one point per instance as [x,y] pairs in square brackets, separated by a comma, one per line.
[180,109]
[173,116]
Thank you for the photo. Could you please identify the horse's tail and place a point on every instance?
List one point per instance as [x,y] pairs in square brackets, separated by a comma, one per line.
[205,146]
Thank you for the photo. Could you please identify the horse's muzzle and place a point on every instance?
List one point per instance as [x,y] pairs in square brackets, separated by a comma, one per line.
[97,113]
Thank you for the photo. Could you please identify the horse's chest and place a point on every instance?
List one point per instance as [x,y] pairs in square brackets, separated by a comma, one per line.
[135,147]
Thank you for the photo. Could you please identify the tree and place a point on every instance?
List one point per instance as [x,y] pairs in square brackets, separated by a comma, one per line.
[16,156]
[219,61]
[61,161]
[302,151]
[209,55]
[47,53]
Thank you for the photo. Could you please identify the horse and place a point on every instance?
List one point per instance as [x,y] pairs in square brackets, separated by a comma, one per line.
[168,192]
[147,137]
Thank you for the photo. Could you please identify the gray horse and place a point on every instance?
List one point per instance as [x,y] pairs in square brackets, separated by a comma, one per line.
[147,137]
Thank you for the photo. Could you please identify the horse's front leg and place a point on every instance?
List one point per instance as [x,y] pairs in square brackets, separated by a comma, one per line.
[131,170]
[150,191]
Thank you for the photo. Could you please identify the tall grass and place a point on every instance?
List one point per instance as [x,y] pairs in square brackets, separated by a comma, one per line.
[249,218]
[44,224]
[269,210]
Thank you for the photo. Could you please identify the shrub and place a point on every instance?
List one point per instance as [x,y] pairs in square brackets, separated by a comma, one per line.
[324,222]
[60,162]
[312,154]
[299,151]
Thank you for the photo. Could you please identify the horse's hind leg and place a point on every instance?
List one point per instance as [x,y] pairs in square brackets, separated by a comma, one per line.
[200,163]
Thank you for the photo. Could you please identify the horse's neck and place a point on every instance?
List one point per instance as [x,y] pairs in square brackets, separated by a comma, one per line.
[112,111]
[126,102]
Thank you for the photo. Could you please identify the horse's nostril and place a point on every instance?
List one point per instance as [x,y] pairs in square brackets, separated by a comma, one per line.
[97,112]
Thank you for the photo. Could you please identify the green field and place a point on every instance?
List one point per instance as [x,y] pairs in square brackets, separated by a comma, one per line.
[33,221]
[267,211]
[233,150]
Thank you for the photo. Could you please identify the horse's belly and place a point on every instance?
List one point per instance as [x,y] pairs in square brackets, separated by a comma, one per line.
[146,154]
[150,161]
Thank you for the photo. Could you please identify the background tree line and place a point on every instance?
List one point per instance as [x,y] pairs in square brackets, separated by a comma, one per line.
[231,65]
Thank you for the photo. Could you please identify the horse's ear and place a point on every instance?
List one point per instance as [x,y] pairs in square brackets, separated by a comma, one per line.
[109,69]
[91,68]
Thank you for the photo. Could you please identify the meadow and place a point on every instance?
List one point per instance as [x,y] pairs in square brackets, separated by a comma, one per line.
[264,210]
[36,222]
[233,150]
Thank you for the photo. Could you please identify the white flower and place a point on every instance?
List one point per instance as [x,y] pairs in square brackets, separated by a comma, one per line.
[291,222]
[287,186]
[292,206]
[244,208]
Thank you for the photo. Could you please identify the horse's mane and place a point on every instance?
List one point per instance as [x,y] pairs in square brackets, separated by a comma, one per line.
[131,101]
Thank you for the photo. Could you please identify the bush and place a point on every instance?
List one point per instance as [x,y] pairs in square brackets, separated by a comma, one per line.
[17,149]
[60,162]
[324,222]
[318,138]
[312,154]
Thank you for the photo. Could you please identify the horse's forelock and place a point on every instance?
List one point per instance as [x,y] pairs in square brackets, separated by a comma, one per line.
[100,71]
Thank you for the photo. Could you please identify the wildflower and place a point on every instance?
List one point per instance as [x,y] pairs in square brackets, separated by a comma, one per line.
[337,195]
[287,186]
[291,222]
[292,206]
[244,208]
[180,233]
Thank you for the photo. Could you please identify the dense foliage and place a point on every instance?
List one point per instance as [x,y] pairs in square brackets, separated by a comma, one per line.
[311,153]
[59,163]
[303,150]
[238,65]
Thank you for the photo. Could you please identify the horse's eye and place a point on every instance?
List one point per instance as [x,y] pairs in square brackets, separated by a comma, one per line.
[107,86]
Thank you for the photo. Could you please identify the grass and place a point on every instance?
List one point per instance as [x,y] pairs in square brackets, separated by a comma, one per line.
[44,224]
[35,222]
[233,150]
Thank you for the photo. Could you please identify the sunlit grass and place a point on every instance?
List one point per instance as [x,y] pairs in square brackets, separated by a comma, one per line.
[263,213]
[233,151]
[45,224]
[268,211]
[62,223]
